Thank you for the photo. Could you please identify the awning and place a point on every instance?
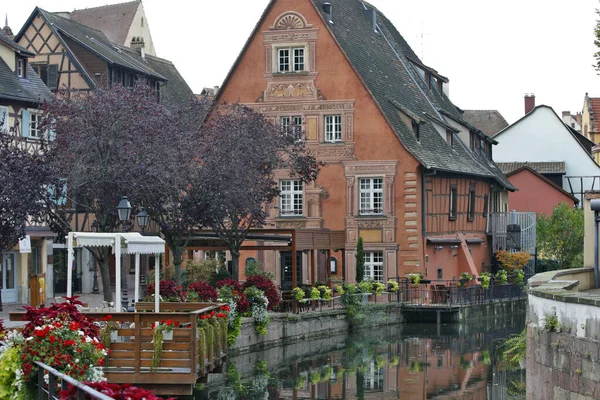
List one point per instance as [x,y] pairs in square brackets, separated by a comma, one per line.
[443,240]
[131,243]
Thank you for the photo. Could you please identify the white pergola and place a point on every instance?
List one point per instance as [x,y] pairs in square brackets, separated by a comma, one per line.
[121,243]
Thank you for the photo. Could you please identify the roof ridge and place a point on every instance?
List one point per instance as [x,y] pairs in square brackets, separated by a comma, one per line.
[156,58]
[107,5]
[72,21]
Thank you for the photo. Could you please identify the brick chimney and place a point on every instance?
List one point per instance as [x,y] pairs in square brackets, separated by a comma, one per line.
[137,44]
[529,102]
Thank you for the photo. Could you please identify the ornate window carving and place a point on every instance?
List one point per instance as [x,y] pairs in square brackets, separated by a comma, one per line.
[290,20]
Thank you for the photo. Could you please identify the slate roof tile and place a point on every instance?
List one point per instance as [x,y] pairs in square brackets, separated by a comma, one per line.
[489,122]
[545,167]
[114,19]
[381,60]
[30,89]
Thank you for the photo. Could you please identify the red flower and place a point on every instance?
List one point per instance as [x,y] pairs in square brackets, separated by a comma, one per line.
[107,318]
[69,343]
[74,326]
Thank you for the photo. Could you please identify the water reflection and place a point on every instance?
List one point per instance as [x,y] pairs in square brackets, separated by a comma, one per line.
[396,362]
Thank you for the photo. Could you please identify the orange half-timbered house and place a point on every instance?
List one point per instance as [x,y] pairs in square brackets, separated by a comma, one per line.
[403,170]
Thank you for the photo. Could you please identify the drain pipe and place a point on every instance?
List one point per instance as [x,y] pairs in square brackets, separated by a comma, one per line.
[595,206]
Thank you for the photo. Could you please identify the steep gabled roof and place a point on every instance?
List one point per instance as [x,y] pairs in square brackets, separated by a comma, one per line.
[93,40]
[177,89]
[543,178]
[594,105]
[387,66]
[30,89]
[584,142]
[114,19]
[489,122]
[542,167]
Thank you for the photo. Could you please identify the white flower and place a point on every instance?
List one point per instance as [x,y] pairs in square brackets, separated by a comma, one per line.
[76,360]
[47,379]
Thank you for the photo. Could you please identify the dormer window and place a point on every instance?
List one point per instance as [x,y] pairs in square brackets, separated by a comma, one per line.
[449,138]
[416,127]
[20,67]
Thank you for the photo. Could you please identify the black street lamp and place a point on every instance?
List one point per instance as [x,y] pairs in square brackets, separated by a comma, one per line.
[95,288]
[124,211]
[142,219]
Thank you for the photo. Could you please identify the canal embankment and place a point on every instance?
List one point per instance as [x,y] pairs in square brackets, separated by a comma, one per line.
[563,336]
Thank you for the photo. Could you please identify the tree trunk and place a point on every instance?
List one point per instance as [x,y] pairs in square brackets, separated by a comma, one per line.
[235,264]
[101,257]
[177,260]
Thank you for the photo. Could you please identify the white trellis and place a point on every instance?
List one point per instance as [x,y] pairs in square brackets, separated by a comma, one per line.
[121,243]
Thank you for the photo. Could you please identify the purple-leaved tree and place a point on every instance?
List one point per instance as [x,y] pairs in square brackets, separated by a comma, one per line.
[242,150]
[122,142]
[25,179]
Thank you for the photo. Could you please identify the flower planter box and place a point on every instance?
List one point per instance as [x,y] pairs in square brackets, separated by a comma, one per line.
[168,335]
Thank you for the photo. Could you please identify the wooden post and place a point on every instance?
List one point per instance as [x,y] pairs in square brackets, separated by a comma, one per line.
[294,261]
[138,334]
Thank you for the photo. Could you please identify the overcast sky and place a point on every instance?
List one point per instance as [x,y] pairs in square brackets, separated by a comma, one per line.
[492,52]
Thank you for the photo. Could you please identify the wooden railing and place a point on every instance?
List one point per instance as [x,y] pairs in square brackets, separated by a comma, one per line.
[185,358]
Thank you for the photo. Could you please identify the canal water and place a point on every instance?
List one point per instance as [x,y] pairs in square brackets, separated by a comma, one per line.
[411,362]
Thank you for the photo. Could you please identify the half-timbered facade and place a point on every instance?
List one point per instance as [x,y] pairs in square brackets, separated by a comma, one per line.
[21,93]
[71,55]
[402,169]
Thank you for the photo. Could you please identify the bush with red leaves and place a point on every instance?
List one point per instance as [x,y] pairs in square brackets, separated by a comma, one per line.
[267,286]
[39,316]
[232,283]
[113,390]
[205,292]
[167,290]
[2,329]
[242,304]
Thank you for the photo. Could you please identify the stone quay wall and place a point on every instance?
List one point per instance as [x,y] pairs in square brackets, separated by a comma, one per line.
[563,364]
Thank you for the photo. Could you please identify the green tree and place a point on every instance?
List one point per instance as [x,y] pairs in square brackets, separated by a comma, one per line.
[560,236]
[360,260]
[597,43]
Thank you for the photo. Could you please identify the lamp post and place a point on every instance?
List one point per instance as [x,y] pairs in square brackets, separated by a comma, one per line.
[95,288]
[142,220]
[124,212]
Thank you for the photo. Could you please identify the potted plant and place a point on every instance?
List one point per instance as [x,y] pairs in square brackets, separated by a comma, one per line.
[485,279]
[393,286]
[502,277]
[415,277]
[464,278]
[109,331]
[298,293]
[519,277]
[166,327]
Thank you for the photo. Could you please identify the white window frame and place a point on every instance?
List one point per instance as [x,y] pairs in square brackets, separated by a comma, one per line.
[373,266]
[294,61]
[286,120]
[291,199]
[34,125]
[333,128]
[370,196]
[20,68]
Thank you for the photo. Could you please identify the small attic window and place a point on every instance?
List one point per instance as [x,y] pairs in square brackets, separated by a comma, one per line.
[449,137]
[21,67]
[416,128]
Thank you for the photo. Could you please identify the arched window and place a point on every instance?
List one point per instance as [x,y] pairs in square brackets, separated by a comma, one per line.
[333,265]
[250,260]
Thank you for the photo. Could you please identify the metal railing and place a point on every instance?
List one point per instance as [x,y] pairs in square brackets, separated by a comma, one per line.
[49,387]
[448,294]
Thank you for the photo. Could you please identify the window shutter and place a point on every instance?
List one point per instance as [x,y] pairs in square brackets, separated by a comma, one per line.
[53,76]
[25,123]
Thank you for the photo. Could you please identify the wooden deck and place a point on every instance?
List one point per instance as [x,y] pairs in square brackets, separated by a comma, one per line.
[185,359]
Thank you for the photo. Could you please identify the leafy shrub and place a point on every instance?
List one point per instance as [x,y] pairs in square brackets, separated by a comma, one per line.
[255,268]
[551,323]
[511,261]
[267,286]
[38,317]
[204,291]
[167,290]
[242,305]
[200,270]
[221,274]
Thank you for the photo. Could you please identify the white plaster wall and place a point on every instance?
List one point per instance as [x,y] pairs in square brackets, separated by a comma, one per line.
[137,29]
[572,315]
[8,55]
[542,136]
